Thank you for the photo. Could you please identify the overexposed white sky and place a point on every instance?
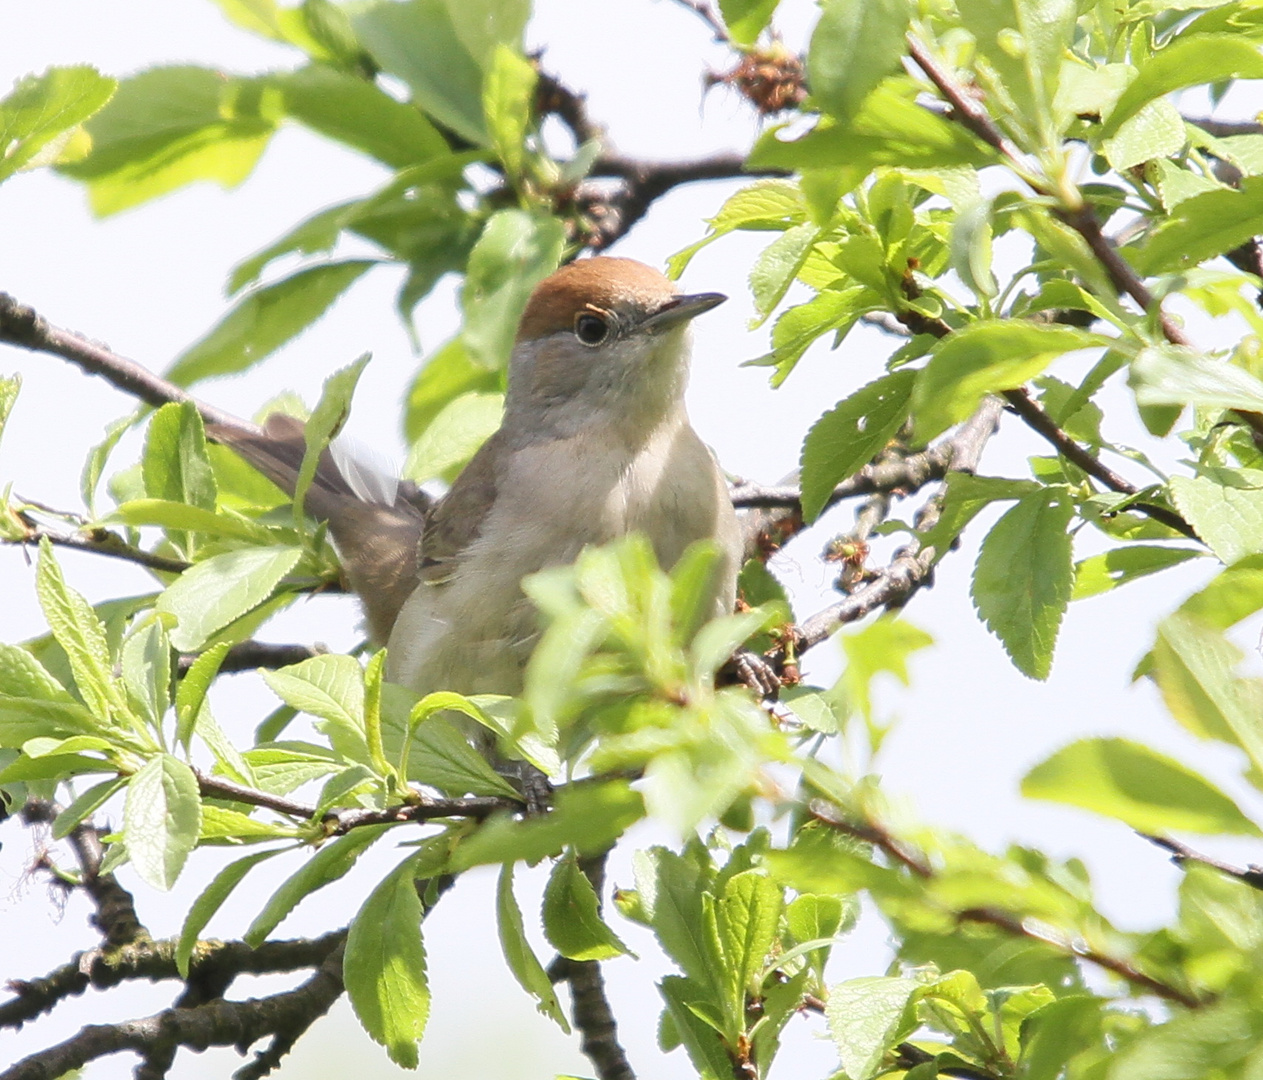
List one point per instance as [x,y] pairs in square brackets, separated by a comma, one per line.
[150,281]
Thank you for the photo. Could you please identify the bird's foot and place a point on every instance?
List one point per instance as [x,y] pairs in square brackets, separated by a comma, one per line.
[755,671]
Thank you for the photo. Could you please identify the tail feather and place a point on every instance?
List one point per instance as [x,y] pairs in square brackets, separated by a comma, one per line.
[377,540]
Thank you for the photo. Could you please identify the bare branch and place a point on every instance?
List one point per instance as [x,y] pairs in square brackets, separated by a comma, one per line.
[99,541]
[22,326]
[337,822]
[1182,853]
[103,968]
[155,1039]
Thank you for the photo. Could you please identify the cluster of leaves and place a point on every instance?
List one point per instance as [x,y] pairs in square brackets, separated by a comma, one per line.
[890,208]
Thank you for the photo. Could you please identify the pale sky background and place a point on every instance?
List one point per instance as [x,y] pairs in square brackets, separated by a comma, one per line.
[150,281]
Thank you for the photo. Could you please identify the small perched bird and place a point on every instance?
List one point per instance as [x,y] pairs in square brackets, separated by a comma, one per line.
[595,444]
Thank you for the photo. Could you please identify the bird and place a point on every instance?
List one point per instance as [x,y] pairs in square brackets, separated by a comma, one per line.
[595,443]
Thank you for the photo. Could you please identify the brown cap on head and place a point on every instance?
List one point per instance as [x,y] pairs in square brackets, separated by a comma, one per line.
[601,284]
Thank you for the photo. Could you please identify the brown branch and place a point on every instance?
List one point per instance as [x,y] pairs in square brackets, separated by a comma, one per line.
[99,541]
[1182,853]
[115,914]
[338,822]
[1224,128]
[104,968]
[283,1016]
[1041,423]
[920,867]
[1124,969]
[21,325]
[870,832]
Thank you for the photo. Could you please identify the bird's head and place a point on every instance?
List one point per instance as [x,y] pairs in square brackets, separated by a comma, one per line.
[603,339]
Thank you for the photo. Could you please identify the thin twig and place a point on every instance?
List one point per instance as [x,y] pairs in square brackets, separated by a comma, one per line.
[1124,969]
[21,325]
[338,822]
[912,565]
[707,14]
[920,867]
[103,542]
[1182,853]
[115,910]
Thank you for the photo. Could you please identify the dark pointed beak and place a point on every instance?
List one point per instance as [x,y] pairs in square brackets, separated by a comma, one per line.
[680,309]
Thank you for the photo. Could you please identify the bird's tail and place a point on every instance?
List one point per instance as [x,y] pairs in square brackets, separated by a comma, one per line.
[375,521]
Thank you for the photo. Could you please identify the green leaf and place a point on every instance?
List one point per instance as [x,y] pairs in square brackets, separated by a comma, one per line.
[970,248]
[326,866]
[176,467]
[866,1018]
[359,113]
[440,755]
[1023,42]
[454,436]
[519,955]
[161,819]
[167,127]
[986,356]
[1201,228]
[1023,580]
[41,112]
[147,671]
[515,252]
[747,917]
[1172,375]
[850,435]
[210,901]
[767,205]
[190,694]
[449,373]
[777,266]
[1155,132]
[326,420]
[22,676]
[1221,1039]
[214,593]
[856,44]
[78,630]
[174,516]
[746,19]
[687,1004]
[572,916]
[418,43]
[85,805]
[587,817]
[1234,593]
[331,688]
[1101,573]
[1140,787]
[889,129]
[508,95]
[1228,518]
[23,718]
[671,888]
[1189,61]
[884,645]
[384,968]
[265,319]
[1194,666]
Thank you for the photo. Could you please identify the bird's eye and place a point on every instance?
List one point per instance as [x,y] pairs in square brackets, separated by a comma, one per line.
[590,329]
